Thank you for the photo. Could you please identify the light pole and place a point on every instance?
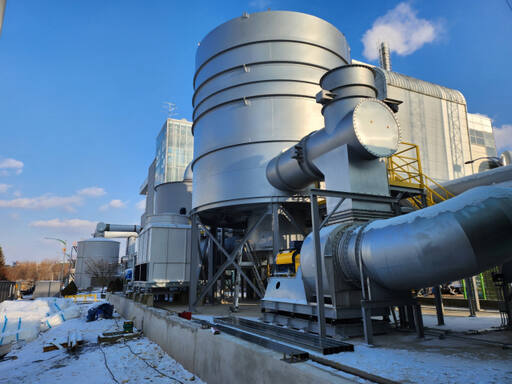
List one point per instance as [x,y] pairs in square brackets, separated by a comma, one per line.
[63,242]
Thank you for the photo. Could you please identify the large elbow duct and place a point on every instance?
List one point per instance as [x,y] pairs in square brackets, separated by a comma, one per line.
[353,117]
[451,240]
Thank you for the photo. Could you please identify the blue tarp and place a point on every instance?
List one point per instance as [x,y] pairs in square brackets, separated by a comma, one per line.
[104,310]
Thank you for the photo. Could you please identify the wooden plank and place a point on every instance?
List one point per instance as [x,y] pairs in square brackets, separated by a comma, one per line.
[113,337]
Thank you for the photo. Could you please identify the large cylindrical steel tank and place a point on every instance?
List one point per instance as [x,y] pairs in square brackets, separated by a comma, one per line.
[255,85]
[92,255]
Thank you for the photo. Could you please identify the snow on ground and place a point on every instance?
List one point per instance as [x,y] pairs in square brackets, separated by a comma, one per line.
[463,323]
[87,364]
[406,359]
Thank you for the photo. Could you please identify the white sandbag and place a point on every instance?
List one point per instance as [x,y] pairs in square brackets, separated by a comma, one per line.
[59,317]
[15,329]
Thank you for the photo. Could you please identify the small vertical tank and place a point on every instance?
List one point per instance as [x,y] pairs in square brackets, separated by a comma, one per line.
[94,254]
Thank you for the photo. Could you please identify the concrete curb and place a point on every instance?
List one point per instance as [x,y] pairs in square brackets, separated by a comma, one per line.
[217,359]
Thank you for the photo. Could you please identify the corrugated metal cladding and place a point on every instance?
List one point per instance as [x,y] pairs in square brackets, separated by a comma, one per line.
[433,117]
[424,87]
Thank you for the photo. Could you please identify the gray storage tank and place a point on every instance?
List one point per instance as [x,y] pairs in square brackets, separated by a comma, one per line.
[91,255]
[163,258]
[255,85]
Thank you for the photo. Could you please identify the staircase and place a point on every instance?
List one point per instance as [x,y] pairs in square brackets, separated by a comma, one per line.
[407,180]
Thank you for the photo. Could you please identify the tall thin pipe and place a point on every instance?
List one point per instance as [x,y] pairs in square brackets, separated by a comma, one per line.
[2,13]
[385,56]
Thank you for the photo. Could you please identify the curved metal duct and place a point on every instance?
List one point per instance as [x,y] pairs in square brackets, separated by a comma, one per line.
[459,237]
[506,158]
[255,85]
[352,116]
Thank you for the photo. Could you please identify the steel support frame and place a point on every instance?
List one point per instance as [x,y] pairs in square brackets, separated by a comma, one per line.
[319,282]
[366,302]
[230,260]
[439,305]
[472,296]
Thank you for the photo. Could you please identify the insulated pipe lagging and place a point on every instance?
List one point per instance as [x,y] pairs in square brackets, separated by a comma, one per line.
[353,117]
[101,228]
[457,238]
[371,130]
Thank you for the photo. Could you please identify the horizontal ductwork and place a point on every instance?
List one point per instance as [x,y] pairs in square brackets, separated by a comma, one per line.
[101,228]
[460,237]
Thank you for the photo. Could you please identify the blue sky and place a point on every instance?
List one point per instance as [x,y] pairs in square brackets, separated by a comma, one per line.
[83,86]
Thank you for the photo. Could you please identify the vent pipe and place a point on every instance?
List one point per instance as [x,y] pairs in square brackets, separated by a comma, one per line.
[2,12]
[385,56]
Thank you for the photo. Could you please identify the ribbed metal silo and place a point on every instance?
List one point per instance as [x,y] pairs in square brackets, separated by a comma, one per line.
[255,85]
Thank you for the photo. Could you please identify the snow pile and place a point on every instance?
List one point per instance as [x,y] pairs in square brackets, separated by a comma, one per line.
[23,320]
[88,364]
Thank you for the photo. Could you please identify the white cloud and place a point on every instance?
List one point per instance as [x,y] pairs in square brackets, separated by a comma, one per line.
[116,203]
[503,136]
[4,187]
[76,224]
[92,192]
[10,165]
[402,30]
[49,200]
[141,205]
[43,202]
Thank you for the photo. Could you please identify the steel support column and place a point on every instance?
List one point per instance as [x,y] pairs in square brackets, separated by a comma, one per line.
[470,294]
[276,238]
[439,305]
[210,266]
[418,321]
[194,263]
[315,218]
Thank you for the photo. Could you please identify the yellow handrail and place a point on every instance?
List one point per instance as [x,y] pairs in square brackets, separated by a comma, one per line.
[83,297]
[404,170]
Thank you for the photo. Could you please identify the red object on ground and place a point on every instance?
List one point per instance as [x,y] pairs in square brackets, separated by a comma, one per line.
[185,315]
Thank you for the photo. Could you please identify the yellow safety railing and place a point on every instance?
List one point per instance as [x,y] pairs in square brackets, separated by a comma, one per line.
[404,170]
[83,297]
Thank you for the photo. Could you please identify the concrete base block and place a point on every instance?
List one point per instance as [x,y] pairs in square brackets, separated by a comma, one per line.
[217,358]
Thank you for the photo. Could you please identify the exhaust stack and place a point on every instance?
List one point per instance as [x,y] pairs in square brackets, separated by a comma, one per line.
[385,56]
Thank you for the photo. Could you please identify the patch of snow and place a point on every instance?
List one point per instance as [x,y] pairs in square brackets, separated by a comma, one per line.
[462,323]
[23,320]
[86,365]
[406,359]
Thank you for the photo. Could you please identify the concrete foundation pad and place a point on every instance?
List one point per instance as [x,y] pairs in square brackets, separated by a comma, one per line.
[217,358]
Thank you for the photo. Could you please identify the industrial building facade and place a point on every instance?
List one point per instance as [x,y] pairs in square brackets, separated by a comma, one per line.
[482,140]
[174,150]
[436,119]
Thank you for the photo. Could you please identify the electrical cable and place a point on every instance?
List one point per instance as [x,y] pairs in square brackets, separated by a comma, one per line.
[106,364]
[144,360]
[150,366]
